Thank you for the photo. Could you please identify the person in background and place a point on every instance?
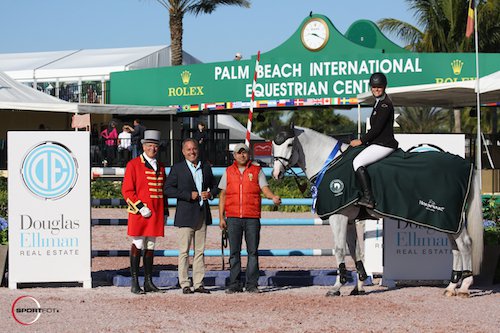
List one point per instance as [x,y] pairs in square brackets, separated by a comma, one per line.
[137,134]
[237,56]
[142,189]
[239,211]
[379,140]
[124,145]
[201,136]
[110,135]
[191,181]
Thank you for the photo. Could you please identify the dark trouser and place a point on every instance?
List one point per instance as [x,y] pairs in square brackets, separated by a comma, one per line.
[236,227]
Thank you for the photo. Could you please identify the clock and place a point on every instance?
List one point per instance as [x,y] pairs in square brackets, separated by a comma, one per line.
[315,34]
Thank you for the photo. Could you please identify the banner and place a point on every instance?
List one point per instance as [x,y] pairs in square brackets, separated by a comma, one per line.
[49,207]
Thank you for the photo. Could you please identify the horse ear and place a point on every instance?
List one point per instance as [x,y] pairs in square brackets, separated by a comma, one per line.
[292,125]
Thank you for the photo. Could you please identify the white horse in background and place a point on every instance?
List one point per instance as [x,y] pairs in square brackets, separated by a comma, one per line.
[310,150]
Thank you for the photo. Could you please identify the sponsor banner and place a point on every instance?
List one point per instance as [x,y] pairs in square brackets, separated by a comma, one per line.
[49,207]
[411,252]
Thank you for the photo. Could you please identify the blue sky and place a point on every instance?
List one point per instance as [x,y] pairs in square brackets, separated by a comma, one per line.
[53,25]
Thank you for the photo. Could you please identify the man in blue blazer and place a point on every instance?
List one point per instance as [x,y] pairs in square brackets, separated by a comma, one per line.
[191,181]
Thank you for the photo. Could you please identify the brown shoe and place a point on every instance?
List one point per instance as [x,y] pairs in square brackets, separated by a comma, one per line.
[202,290]
[187,290]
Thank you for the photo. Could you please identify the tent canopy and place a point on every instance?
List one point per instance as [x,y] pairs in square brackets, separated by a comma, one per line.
[85,64]
[17,96]
[236,130]
[449,95]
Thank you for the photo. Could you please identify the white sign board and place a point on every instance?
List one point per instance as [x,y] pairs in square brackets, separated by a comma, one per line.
[411,252]
[49,207]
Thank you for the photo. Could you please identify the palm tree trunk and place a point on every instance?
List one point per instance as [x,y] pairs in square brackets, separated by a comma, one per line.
[176,31]
[458,121]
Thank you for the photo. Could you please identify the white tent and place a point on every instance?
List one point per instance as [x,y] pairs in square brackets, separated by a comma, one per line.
[236,130]
[17,96]
[85,64]
[449,95]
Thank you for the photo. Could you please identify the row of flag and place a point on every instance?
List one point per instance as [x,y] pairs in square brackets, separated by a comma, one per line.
[268,103]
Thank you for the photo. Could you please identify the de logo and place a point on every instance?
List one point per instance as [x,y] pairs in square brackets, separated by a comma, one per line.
[49,170]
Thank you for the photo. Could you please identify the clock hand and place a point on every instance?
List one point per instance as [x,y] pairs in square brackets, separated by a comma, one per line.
[316,35]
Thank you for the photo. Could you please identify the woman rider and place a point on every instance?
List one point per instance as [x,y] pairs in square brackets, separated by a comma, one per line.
[379,140]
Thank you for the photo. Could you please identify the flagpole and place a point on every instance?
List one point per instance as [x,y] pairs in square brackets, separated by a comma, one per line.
[478,102]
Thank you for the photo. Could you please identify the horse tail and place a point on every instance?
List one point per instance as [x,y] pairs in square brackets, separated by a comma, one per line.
[475,223]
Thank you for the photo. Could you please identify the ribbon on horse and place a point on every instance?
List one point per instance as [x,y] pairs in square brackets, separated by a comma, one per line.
[427,188]
[319,177]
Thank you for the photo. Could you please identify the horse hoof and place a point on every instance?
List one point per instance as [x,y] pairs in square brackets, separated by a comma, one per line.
[332,293]
[463,294]
[356,292]
[450,293]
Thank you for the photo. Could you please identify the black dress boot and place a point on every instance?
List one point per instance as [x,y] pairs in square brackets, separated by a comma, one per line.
[149,286]
[363,178]
[135,259]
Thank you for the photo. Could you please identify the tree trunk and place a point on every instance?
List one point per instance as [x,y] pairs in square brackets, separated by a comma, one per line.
[458,121]
[176,32]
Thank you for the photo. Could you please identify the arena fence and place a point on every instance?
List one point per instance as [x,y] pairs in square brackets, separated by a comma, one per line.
[217,171]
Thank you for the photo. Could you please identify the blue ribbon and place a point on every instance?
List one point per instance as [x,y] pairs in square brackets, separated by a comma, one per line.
[314,188]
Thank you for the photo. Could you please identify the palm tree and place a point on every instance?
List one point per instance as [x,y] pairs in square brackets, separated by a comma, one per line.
[422,120]
[443,25]
[178,8]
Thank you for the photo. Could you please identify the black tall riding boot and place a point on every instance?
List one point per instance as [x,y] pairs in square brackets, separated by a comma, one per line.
[148,272]
[367,199]
[135,259]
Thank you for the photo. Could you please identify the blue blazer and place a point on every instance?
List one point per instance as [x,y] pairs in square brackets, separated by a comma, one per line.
[180,184]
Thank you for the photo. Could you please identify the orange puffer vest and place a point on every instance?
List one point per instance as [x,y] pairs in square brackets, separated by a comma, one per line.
[243,192]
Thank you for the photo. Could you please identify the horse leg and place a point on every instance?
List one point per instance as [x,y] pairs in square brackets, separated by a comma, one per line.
[462,265]
[357,255]
[338,223]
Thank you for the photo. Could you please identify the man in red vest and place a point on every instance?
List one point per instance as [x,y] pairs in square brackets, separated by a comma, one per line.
[239,209]
[142,189]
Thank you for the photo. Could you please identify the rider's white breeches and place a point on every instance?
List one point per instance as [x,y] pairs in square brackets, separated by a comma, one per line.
[369,155]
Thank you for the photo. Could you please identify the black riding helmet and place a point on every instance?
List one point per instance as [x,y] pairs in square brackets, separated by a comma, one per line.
[378,80]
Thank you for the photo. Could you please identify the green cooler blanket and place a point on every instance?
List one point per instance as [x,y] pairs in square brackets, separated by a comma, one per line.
[426,188]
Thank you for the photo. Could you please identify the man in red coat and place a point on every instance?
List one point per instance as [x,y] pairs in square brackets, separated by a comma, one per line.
[143,191]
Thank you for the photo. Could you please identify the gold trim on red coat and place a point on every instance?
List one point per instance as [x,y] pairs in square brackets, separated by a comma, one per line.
[132,206]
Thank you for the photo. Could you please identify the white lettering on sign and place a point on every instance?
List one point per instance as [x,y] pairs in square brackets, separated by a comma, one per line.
[231,73]
[334,68]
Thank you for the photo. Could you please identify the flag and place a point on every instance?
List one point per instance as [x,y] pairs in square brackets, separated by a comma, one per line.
[470,19]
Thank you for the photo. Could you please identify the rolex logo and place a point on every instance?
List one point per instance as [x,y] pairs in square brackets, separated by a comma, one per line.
[186,76]
[457,65]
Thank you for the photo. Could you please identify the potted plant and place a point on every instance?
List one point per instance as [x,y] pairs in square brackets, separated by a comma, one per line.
[4,239]
[490,269]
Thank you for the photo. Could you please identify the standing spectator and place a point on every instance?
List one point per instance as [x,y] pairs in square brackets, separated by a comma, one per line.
[124,145]
[191,181]
[239,212]
[110,135]
[142,190]
[137,135]
[201,136]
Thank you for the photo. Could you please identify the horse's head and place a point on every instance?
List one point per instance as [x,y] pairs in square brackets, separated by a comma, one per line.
[283,148]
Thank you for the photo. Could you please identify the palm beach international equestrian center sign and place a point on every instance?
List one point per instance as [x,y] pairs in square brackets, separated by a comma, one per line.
[317,65]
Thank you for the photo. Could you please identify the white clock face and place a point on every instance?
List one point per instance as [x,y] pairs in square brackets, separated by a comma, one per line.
[315,34]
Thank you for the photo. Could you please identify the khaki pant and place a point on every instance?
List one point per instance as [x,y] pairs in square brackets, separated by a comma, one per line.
[187,235]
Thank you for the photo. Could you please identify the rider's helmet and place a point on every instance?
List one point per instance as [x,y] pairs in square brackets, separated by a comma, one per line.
[378,80]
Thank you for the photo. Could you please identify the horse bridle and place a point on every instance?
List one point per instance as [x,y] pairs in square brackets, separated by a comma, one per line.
[279,140]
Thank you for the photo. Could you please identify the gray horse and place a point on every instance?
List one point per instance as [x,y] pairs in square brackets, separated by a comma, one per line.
[310,150]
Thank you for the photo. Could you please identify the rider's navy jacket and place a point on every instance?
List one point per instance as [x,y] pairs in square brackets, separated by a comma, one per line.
[381,121]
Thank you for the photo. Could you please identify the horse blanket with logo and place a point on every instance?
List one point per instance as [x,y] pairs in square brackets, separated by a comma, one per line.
[426,188]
